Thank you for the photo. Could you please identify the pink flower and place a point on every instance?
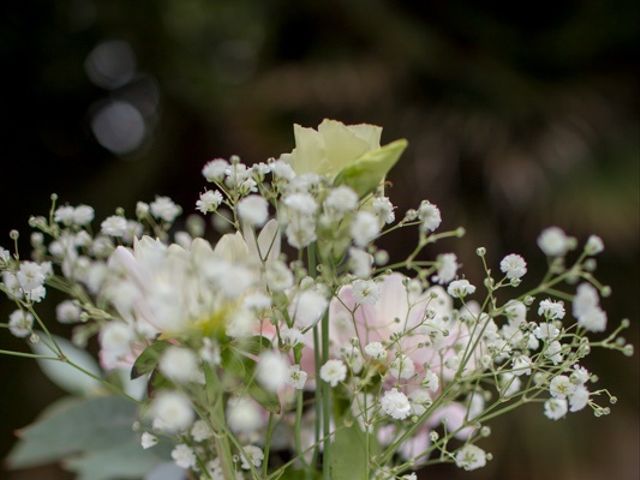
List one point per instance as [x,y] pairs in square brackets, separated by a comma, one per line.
[424,320]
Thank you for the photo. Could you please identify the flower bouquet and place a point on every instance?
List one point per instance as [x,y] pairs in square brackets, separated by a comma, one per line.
[293,348]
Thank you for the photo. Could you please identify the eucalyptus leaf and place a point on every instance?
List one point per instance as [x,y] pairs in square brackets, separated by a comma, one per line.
[166,471]
[365,174]
[124,461]
[69,378]
[72,427]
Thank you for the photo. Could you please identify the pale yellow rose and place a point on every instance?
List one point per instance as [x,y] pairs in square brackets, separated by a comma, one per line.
[343,153]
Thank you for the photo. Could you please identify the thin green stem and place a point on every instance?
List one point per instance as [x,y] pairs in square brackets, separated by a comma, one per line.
[28,355]
[267,444]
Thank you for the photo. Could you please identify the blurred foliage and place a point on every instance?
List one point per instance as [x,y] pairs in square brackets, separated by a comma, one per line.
[518,116]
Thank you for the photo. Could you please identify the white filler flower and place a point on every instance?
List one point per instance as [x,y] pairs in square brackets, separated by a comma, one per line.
[333,372]
[471,457]
[395,404]
[183,456]
[273,370]
[460,288]
[513,266]
[254,210]
[554,242]
[172,411]
[179,364]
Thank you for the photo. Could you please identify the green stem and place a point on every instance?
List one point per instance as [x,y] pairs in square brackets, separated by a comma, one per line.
[318,396]
[326,403]
[267,445]
[27,355]
[298,424]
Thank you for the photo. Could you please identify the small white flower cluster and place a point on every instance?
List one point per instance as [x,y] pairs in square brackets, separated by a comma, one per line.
[237,338]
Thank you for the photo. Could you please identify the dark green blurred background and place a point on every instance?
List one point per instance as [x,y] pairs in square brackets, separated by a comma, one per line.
[518,116]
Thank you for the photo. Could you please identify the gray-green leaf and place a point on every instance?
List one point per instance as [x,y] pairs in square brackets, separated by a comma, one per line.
[69,378]
[76,426]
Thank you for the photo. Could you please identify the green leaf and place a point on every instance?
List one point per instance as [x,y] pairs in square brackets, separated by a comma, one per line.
[366,173]
[148,359]
[295,474]
[348,454]
[70,427]
[64,375]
